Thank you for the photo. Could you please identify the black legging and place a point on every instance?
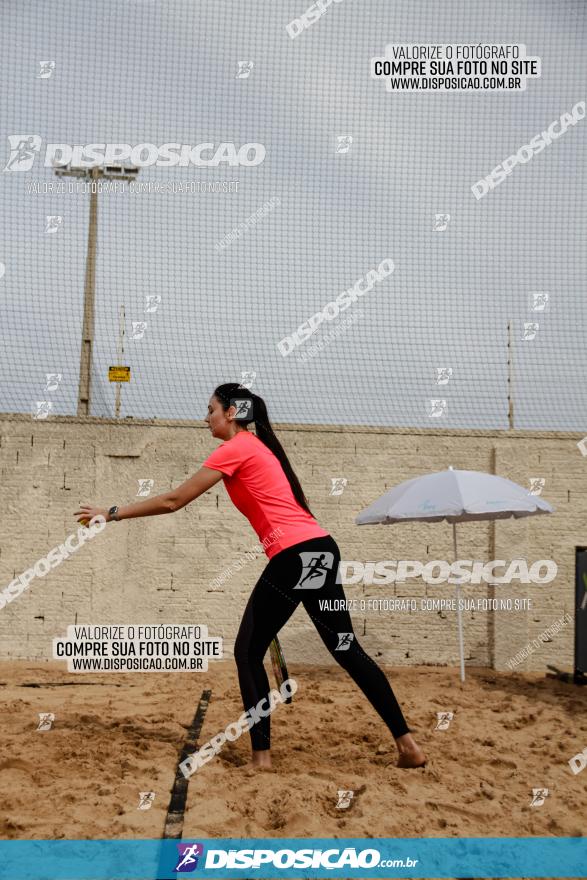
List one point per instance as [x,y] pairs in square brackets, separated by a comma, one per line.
[270,606]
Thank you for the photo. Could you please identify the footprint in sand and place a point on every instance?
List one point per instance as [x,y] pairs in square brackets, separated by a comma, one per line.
[456,808]
[275,818]
[10,830]
[320,774]
[298,823]
[487,790]
[17,764]
[233,758]
[502,762]
[519,721]
[395,783]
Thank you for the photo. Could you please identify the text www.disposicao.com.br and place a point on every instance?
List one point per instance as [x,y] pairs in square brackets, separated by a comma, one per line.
[140,664]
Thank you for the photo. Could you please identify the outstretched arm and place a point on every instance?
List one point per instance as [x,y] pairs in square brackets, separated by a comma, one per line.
[167,502]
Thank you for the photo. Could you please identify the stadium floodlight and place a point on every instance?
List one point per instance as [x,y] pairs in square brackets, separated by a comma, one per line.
[124,172]
[61,170]
[109,172]
[93,173]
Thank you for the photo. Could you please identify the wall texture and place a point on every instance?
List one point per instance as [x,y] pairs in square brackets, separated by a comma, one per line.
[166,568]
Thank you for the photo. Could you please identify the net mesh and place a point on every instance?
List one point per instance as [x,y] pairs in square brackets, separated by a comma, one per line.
[353,175]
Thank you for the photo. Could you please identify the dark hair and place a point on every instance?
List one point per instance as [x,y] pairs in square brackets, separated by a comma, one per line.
[264,431]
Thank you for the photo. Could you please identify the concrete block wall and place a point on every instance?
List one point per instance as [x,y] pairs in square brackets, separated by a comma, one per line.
[162,568]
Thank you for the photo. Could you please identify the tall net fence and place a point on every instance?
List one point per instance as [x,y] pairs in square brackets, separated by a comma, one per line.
[301,177]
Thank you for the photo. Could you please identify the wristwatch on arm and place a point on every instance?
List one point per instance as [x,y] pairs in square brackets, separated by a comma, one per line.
[113,514]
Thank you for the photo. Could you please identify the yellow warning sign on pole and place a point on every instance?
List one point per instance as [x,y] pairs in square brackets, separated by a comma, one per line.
[119,374]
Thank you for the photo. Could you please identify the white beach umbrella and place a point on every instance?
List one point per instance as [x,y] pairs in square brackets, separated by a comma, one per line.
[456,496]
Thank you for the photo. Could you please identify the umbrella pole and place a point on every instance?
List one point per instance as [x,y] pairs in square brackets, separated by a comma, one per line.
[459,616]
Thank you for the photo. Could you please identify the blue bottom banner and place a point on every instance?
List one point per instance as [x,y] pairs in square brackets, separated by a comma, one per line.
[293,857]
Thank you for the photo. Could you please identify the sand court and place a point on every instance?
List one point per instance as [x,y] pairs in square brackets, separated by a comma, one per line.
[115,736]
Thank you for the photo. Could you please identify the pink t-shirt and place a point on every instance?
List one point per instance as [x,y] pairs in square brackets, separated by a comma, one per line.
[259,488]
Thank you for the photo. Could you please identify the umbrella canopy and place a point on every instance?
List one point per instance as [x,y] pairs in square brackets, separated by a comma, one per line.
[456,496]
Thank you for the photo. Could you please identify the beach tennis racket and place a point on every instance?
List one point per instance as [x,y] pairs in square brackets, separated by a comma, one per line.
[278,663]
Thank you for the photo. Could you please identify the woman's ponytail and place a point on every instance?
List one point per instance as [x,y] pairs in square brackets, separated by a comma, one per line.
[257,413]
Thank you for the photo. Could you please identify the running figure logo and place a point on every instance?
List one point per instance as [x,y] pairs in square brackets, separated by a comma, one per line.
[343,143]
[315,568]
[436,408]
[338,485]
[344,799]
[244,69]
[247,379]
[444,719]
[441,222]
[344,641]
[53,380]
[188,857]
[153,301]
[536,485]
[539,301]
[23,150]
[54,222]
[443,375]
[138,329]
[244,407]
[46,69]
[146,799]
[538,796]
[46,720]
[44,408]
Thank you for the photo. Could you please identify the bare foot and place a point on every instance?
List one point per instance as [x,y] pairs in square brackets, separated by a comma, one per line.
[410,753]
[414,759]
[261,760]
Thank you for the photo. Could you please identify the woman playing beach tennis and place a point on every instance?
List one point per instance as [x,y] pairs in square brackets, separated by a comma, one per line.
[302,567]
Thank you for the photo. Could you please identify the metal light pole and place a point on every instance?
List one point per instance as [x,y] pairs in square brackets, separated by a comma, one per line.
[510,377]
[121,333]
[108,172]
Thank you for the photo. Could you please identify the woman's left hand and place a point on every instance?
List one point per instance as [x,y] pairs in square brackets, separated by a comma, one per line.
[86,513]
